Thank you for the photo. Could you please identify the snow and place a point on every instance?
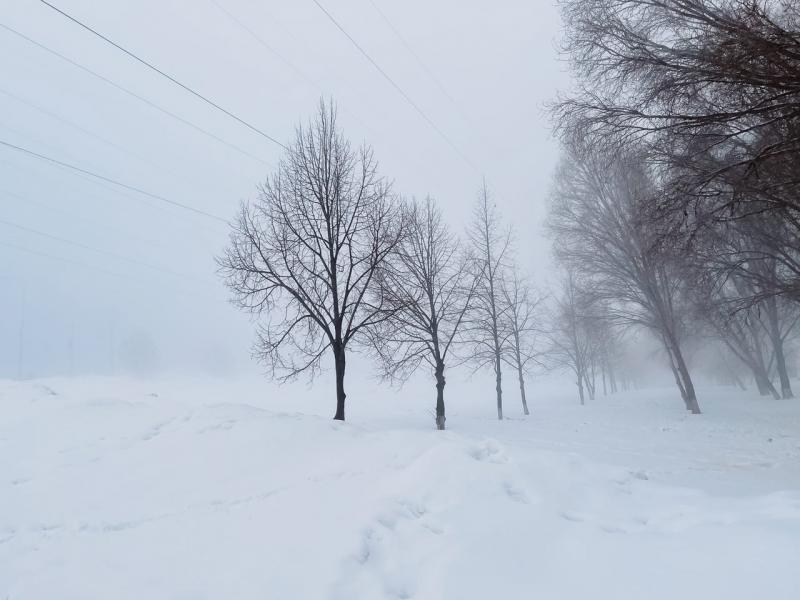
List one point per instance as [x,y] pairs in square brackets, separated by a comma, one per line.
[202,489]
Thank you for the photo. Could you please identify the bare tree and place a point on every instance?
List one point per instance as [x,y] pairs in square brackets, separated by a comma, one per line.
[739,330]
[571,345]
[609,341]
[488,320]
[521,304]
[303,256]
[735,273]
[779,319]
[426,282]
[713,88]
[690,75]
[602,231]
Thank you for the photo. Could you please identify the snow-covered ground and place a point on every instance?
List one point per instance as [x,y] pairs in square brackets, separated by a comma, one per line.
[184,489]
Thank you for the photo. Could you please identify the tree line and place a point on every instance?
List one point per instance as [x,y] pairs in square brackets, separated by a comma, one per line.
[329,258]
[675,207]
[674,212]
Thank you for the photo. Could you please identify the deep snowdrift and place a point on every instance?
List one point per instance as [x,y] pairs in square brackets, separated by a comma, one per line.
[112,488]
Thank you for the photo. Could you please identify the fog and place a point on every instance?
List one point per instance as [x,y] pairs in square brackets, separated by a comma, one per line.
[547,348]
[101,279]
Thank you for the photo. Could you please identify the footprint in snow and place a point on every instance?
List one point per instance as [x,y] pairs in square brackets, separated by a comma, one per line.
[515,493]
[489,451]
[572,516]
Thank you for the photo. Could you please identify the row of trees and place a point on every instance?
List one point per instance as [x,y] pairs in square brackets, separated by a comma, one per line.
[676,205]
[328,258]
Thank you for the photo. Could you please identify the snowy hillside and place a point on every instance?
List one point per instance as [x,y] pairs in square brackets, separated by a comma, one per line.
[118,489]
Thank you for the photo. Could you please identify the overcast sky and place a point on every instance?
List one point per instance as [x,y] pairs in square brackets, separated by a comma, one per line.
[93,274]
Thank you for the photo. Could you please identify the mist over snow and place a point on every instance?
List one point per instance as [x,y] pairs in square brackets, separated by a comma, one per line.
[373,300]
[88,302]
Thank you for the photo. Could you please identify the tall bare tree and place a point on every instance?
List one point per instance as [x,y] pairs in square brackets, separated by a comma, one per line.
[426,282]
[304,254]
[690,75]
[603,232]
[713,88]
[735,276]
[521,304]
[488,320]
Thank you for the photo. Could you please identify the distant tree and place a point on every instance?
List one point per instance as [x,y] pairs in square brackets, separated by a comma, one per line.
[610,340]
[603,232]
[736,281]
[304,254]
[426,282]
[521,305]
[488,326]
[779,318]
[738,329]
[570,343]
[603,334]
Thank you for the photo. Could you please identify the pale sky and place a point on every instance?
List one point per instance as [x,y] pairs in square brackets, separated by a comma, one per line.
[86,267]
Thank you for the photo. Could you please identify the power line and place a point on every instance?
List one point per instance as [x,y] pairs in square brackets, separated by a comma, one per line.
[386,76]
[133,94]
[308,80]
[60,259]
[264,44]
[124,276]
[411,51]
[74,125]
[92,249]
[164,74]
[71,214]
[459,108]
[114,181]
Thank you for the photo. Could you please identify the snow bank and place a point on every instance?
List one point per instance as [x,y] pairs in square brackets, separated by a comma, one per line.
[177,490]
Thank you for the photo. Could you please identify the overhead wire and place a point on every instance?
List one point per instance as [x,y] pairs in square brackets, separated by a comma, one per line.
[134,94]
[78,127]
[83,246]
[112,181]
[164,74]
[413,53]
[395,85]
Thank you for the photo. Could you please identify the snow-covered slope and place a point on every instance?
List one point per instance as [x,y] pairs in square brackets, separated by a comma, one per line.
[118,489]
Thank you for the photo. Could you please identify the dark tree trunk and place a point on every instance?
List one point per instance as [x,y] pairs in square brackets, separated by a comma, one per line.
[339,363]
[520,374]
[777,347]
[590,385]
[498,385]
[688,385]
[603,374]
[764,385]
[522,391]
[780,365]
[580,389]
[681,372]
[440,383]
